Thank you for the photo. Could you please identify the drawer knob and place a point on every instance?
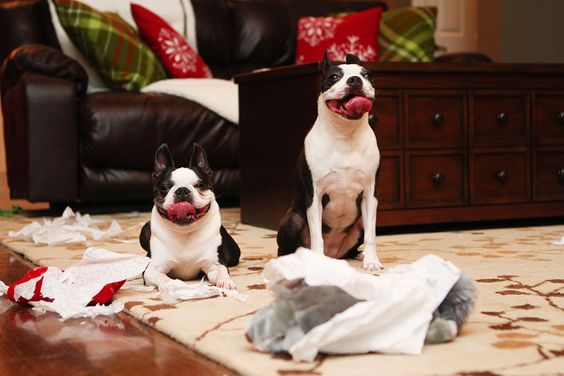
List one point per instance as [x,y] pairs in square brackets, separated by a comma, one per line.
[561,174]
[438,178]
[372,120]
[438,119]
[502,118]
[502,176]
[560,117]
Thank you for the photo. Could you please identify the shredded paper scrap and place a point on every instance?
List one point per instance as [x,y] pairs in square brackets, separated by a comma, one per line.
[69,228]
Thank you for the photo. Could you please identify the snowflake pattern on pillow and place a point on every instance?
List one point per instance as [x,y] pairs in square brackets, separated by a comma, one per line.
[177,56]
[179,53]
[356,33]
[314,30]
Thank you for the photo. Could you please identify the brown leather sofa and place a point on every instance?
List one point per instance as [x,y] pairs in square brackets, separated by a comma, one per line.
[66,146]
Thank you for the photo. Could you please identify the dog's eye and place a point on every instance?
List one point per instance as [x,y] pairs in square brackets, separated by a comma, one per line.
[334,77]
[166,186]
[199,185]
[366,75]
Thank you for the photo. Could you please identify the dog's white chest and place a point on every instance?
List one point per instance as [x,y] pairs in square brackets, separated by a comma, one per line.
[185,252]
[338,163]
[341,169]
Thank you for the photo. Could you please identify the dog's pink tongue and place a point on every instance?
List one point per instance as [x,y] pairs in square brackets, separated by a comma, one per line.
[180,211]
[358,105]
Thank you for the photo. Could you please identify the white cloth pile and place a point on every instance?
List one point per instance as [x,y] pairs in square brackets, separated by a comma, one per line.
[394,316]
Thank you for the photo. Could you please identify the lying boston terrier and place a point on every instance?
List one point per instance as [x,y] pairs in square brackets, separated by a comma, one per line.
[184,236]
[335,208]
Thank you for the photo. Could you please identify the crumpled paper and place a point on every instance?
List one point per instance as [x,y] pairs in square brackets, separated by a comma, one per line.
[394,315]
[559,242]
[175,290]
[69,228]
[71,290]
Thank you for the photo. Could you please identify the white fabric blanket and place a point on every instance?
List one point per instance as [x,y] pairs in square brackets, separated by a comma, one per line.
[393,319]
[219,96]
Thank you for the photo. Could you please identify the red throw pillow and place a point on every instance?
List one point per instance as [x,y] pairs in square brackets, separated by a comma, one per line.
[356,33]
[176,55]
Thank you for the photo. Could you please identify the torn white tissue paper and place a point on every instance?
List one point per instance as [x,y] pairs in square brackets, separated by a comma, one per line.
[3,288]
[393,319]
[176,289]
[559,242]
[69,228]
[71,290]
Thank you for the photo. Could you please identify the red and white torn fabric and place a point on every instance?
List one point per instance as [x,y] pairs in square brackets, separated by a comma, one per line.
[82,289]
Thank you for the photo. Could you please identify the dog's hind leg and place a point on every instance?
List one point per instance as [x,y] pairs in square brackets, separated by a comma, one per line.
[228,251]
[145,238]
[292,233]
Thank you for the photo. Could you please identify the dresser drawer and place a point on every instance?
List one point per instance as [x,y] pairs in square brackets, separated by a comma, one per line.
[436,179]
[387,116]
[499,118]
[389,185]
[499,177]
[548,176]
[549,118]
[436,119]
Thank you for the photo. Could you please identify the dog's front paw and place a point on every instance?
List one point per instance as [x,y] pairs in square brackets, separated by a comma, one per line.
[372,267]
[226,283]
[370,261]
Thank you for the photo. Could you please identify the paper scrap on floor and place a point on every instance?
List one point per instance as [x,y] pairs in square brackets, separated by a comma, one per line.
[69,292]
[69,228]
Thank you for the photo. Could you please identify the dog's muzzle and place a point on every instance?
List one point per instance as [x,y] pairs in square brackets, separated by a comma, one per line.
[184,213]
[351,106]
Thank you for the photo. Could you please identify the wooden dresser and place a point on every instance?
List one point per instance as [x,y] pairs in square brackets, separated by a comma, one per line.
[458,142]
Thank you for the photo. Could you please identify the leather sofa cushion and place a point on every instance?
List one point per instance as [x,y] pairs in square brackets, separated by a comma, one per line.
[123,130]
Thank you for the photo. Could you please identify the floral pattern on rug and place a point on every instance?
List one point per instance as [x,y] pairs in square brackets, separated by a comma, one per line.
[517,327]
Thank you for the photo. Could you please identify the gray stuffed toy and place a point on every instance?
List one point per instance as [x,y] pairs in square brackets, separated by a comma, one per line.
[298,308]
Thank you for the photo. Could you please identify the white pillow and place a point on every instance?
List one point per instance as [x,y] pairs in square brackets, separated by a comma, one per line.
[170,10]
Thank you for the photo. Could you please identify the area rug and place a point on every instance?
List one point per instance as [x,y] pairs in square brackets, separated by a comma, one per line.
[517,327]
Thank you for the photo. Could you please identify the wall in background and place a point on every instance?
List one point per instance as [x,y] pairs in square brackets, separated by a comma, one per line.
[531,31]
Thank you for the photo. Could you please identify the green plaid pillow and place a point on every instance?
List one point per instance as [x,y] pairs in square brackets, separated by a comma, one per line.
[407,34]
[111,45]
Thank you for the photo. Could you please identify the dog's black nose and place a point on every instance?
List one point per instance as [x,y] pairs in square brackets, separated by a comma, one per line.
[182,192]
[354,81]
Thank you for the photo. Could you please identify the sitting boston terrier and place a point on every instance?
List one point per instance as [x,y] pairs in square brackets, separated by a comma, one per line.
[184,236]
[335,208]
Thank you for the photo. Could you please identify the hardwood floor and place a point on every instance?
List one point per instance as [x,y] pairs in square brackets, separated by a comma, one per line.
[41,344]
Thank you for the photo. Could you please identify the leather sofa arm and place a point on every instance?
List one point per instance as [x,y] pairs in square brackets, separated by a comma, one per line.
[41,91]
[45,61]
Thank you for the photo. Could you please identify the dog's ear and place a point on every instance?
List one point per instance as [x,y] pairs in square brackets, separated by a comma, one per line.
[199,160]
[326,63]
[352,59]
[163,159]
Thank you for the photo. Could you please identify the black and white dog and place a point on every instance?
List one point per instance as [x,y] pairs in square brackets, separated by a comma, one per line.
[184,236]
[335,208]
